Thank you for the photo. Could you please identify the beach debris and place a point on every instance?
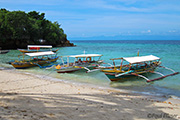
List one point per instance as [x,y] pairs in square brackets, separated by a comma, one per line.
[6,107]
[23,111]
[51,114]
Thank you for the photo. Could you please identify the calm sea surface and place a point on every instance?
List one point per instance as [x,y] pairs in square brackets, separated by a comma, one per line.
[169,51]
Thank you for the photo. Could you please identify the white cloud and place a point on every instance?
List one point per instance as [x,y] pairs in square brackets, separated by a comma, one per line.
[148,31]
[172,31]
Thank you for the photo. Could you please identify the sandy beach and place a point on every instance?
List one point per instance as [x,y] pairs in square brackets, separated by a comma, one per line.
[28,97]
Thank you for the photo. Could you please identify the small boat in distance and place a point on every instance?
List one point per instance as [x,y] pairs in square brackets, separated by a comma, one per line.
[80,62]
[135,66]
[38,48]
[36,59]
[4,51]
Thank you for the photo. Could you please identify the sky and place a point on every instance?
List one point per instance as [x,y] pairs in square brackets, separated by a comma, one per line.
[108,19]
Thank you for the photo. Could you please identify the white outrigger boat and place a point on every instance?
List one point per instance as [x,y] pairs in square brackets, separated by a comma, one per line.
[38,48]
[135,66]
[86,62]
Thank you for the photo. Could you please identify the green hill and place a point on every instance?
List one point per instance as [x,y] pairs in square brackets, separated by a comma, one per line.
[18,29]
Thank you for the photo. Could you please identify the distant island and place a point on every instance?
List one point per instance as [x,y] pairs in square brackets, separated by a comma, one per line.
[18,29]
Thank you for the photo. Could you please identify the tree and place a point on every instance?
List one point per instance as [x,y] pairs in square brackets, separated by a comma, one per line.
[36,15]
[17,23]
[18,29]
[3,27]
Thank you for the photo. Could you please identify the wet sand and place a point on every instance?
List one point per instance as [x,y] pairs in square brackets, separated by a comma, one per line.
[28,97]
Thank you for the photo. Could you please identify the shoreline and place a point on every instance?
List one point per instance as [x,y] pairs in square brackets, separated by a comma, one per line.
[79,83]
[26,96]
[100,86]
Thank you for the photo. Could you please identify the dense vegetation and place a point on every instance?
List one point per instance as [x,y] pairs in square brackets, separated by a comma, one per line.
[18,29]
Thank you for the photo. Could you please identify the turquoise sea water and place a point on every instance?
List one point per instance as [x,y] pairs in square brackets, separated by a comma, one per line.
[169,51]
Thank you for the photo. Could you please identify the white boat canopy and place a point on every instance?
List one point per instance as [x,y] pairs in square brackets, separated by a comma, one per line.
[40,53]
[139,59]
[85,55]
[40,46]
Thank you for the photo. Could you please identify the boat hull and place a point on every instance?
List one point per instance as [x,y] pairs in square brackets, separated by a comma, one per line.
[67,70]
[4,51]
[112,77]
[23,65]
[71,69]
[111,74]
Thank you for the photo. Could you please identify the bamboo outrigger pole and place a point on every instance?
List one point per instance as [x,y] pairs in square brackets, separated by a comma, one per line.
[163,77]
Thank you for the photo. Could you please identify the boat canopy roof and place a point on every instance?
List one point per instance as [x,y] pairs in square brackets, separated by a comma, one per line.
[40,46]
[40,53]
[85,55]
[139,59]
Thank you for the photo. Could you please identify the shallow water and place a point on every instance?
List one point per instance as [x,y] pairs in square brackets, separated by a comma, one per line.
[167,50]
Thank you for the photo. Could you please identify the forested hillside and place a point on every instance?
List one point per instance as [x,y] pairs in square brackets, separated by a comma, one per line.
[18,29]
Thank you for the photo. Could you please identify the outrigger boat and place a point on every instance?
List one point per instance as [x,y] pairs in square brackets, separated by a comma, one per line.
[38,48]
[36,59]
[83,61]
[135,66]
[4,51]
